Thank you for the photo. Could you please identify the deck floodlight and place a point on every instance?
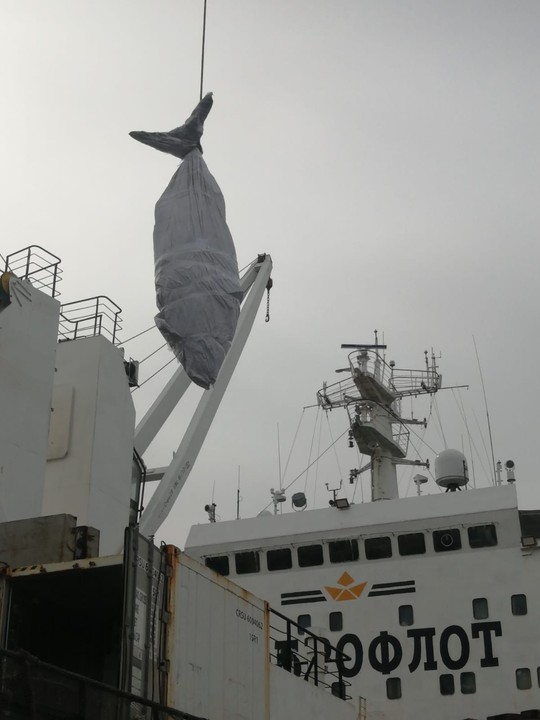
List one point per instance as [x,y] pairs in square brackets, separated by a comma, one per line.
[341,503]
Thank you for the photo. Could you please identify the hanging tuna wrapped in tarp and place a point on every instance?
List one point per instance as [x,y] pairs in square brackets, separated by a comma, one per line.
[196,273]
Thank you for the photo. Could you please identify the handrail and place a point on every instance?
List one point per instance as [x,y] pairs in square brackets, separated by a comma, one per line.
[37,265]
[88,317]
[289,656]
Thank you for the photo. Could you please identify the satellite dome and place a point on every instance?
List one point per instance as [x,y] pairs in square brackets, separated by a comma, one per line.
[451,470]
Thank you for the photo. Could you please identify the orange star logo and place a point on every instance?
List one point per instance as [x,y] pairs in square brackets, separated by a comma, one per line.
[346,591]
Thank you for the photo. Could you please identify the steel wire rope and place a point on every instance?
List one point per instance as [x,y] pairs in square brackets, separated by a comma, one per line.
[137,335]
[249,265]
[153,375]
[153,353]
[428,469]
[335,451]
[317,467]
[308,467]
[203,49]
[464,418]
[418,457]
[293,442]
[485,448]
[311,445]
[493,468]
[422,440]
[440,422]
[359,477]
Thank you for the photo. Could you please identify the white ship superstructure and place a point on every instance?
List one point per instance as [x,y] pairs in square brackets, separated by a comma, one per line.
[433,598]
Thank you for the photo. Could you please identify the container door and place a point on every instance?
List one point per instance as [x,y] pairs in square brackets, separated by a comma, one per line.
[4,609]
[143,669]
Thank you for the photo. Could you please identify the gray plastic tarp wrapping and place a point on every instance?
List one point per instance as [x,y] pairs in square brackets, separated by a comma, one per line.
[196,271]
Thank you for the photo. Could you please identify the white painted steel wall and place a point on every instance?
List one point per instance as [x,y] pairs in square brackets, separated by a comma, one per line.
[217,646]
[28,333]
[291,699]
[440,588]
[91,444]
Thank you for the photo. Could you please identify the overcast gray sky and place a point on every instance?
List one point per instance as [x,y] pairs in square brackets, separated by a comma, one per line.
[386,154]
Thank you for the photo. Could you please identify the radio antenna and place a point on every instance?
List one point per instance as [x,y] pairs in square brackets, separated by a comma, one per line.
[487,413]
[238,498]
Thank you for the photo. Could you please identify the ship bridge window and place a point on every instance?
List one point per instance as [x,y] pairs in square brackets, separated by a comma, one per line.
[445,540]
[523,679]
[480,608]
[280,559]
[412,544]
[309,555]
[343,551]
[247,562]
[519,604]
[393,688]
[468,683]
[377,548]
[482,536]
[218,563]
[446,684]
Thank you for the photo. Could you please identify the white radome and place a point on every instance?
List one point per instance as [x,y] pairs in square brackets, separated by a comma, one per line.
[451,469]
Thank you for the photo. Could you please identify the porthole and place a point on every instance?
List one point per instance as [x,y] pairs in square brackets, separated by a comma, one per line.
[480,608]
[406,615]
[519,604]
[468,683]
[523,679]
[446,684]
[393,688]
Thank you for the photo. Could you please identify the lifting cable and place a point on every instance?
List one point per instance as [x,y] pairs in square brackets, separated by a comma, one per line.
[203,49]
[136,336]
[154,375]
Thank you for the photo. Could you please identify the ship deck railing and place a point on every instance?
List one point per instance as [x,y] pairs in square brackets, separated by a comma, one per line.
[34,690]
[92,316]
[38,266]
[365,413]
[401,382]
[309,656]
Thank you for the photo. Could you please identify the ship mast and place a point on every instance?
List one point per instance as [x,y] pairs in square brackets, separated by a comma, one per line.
[372,397]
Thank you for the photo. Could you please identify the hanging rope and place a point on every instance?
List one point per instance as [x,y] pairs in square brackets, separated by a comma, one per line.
[154,375]
[202,49]
[310,465]
[137,335]
[152,353]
